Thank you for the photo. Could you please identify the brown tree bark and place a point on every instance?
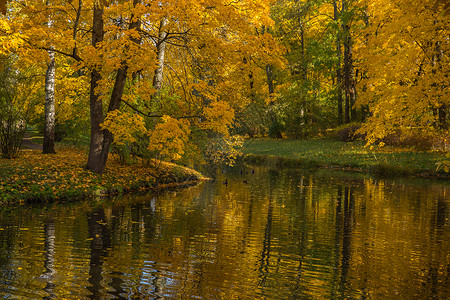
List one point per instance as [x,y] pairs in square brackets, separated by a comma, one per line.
[3,4]
[349,82]
[101,140]
[338,69]
[96,107]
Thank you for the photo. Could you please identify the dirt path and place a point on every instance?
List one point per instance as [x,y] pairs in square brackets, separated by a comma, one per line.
[27,143]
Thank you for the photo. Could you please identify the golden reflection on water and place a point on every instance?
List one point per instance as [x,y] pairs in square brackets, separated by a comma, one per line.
[268,234]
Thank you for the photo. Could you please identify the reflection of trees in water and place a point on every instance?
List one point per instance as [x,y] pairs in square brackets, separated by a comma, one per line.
[100,242]
[337,241]
[131,231]
[349,209]
[7,245]
[49,262]
[283,234]
[342,248]
[265,253]
[437,272]
[395,239]
[302,235]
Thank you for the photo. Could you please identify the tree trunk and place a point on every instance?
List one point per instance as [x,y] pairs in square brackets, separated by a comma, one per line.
[349,85]
[437,64]
[338,69]
[160,52]
[96,107]
[49,124]
[114,104]
[269,73]
[275,127]
[101,140]
[442,115]
[3,7]
[304,65]
[159,72]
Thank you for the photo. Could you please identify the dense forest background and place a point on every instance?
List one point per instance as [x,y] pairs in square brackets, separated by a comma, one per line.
[187,80]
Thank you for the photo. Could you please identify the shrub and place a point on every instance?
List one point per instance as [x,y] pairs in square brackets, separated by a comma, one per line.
[275,129]
[18,97]
[12,124]
[416,139]
[12,130]
[347,132]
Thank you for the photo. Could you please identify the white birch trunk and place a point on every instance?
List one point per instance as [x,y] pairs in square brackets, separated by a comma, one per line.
[161,52]
[49,125]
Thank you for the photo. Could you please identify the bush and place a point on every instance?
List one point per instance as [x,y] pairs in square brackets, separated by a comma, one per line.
[12,124]
[275,129]
[12,130]
[347,132]
[416,139]
[17,99]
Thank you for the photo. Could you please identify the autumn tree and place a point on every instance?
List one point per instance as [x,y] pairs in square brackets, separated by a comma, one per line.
[404,53]
[175,63]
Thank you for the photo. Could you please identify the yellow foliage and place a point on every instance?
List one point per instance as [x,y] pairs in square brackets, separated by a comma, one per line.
[169,138]
[224,150]
[403,53]
[63,174]
[219,117]
[126,127]
[215,50]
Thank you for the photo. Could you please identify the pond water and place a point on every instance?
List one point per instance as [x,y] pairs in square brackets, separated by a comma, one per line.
[251,234]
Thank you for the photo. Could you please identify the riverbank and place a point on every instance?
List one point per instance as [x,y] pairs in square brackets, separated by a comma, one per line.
[53,177]
[354,156]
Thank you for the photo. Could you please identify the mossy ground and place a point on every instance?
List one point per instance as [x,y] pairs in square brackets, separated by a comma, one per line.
[34,176]
[385,161]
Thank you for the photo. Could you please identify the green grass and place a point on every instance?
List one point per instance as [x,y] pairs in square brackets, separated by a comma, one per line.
[353,155]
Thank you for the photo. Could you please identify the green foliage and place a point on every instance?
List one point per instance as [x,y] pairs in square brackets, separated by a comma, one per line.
[12,127]
[306,95]
[252,120]
[223,150]
[444,164]
[14,91]
[74,131]
[276,128]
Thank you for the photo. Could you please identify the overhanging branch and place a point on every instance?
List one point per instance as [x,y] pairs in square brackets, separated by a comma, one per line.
[154,116]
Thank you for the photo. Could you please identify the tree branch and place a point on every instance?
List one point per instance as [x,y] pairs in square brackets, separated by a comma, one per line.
[154,116]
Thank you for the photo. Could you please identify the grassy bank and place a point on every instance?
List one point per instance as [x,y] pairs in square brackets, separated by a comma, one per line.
[38,177]
[384,161]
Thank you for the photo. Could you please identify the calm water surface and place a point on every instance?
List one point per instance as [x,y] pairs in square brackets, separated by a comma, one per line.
[263,235]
